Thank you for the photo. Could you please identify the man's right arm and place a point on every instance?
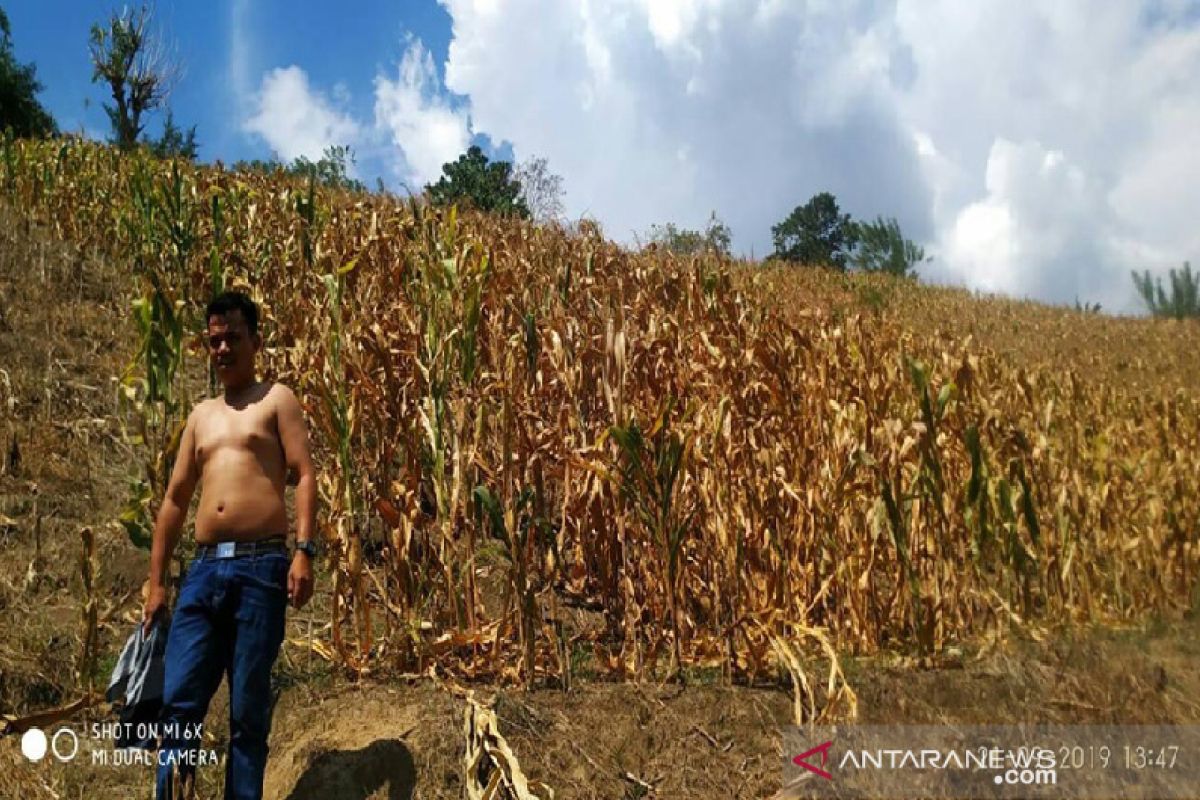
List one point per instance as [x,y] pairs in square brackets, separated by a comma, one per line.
[169,522]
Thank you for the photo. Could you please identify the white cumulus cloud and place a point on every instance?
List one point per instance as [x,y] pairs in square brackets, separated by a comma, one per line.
[413,114]
[1063,154]
[1040,231]
[666,111]
[1036,149]
[297,120]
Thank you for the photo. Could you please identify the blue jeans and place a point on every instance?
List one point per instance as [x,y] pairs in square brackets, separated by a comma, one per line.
[229,619]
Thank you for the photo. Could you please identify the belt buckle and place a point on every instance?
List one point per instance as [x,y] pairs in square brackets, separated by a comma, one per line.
[226,549]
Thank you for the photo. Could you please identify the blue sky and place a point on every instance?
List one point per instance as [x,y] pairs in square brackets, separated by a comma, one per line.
[1038,150]
[336,49]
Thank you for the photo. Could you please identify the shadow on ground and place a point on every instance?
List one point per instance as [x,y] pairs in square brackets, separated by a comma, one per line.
[359,774]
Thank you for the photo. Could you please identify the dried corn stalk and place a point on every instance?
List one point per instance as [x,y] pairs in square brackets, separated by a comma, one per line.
[492,771]
[892,479]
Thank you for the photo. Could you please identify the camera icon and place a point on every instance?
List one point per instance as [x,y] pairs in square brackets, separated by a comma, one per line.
[64,744]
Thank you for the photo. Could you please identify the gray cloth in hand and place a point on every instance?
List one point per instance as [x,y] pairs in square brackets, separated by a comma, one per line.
[138,676]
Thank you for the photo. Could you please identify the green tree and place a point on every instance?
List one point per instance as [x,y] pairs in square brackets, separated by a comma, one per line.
[883,248]
[174,141]
[673,239]
[132,62]
[19,106]
[815,233]
[483,185]
[1183,301]
[716,238]
[332,169]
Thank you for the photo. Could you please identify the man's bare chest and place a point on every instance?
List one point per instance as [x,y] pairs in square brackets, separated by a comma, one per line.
[226,431]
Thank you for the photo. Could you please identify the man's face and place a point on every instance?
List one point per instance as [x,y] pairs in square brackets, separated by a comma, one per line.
[231,347]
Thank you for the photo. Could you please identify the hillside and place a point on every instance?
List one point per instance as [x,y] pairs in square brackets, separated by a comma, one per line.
[1117,350]
[984,531]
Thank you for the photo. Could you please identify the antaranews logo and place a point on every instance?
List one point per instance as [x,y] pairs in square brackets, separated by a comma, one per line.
[802,759]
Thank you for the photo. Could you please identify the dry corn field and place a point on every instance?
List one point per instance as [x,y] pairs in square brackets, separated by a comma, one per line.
[736,466]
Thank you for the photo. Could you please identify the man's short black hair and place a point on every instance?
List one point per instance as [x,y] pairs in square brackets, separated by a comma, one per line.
[225,302]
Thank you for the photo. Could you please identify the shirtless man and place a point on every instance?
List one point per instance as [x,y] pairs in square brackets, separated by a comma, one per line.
[229,617]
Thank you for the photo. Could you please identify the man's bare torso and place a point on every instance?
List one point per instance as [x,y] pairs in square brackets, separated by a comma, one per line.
[242,468]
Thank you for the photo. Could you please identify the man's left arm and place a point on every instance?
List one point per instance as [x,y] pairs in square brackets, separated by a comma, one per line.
[293,435]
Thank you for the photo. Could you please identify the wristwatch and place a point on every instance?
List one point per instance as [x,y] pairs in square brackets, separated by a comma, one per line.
[308,548]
